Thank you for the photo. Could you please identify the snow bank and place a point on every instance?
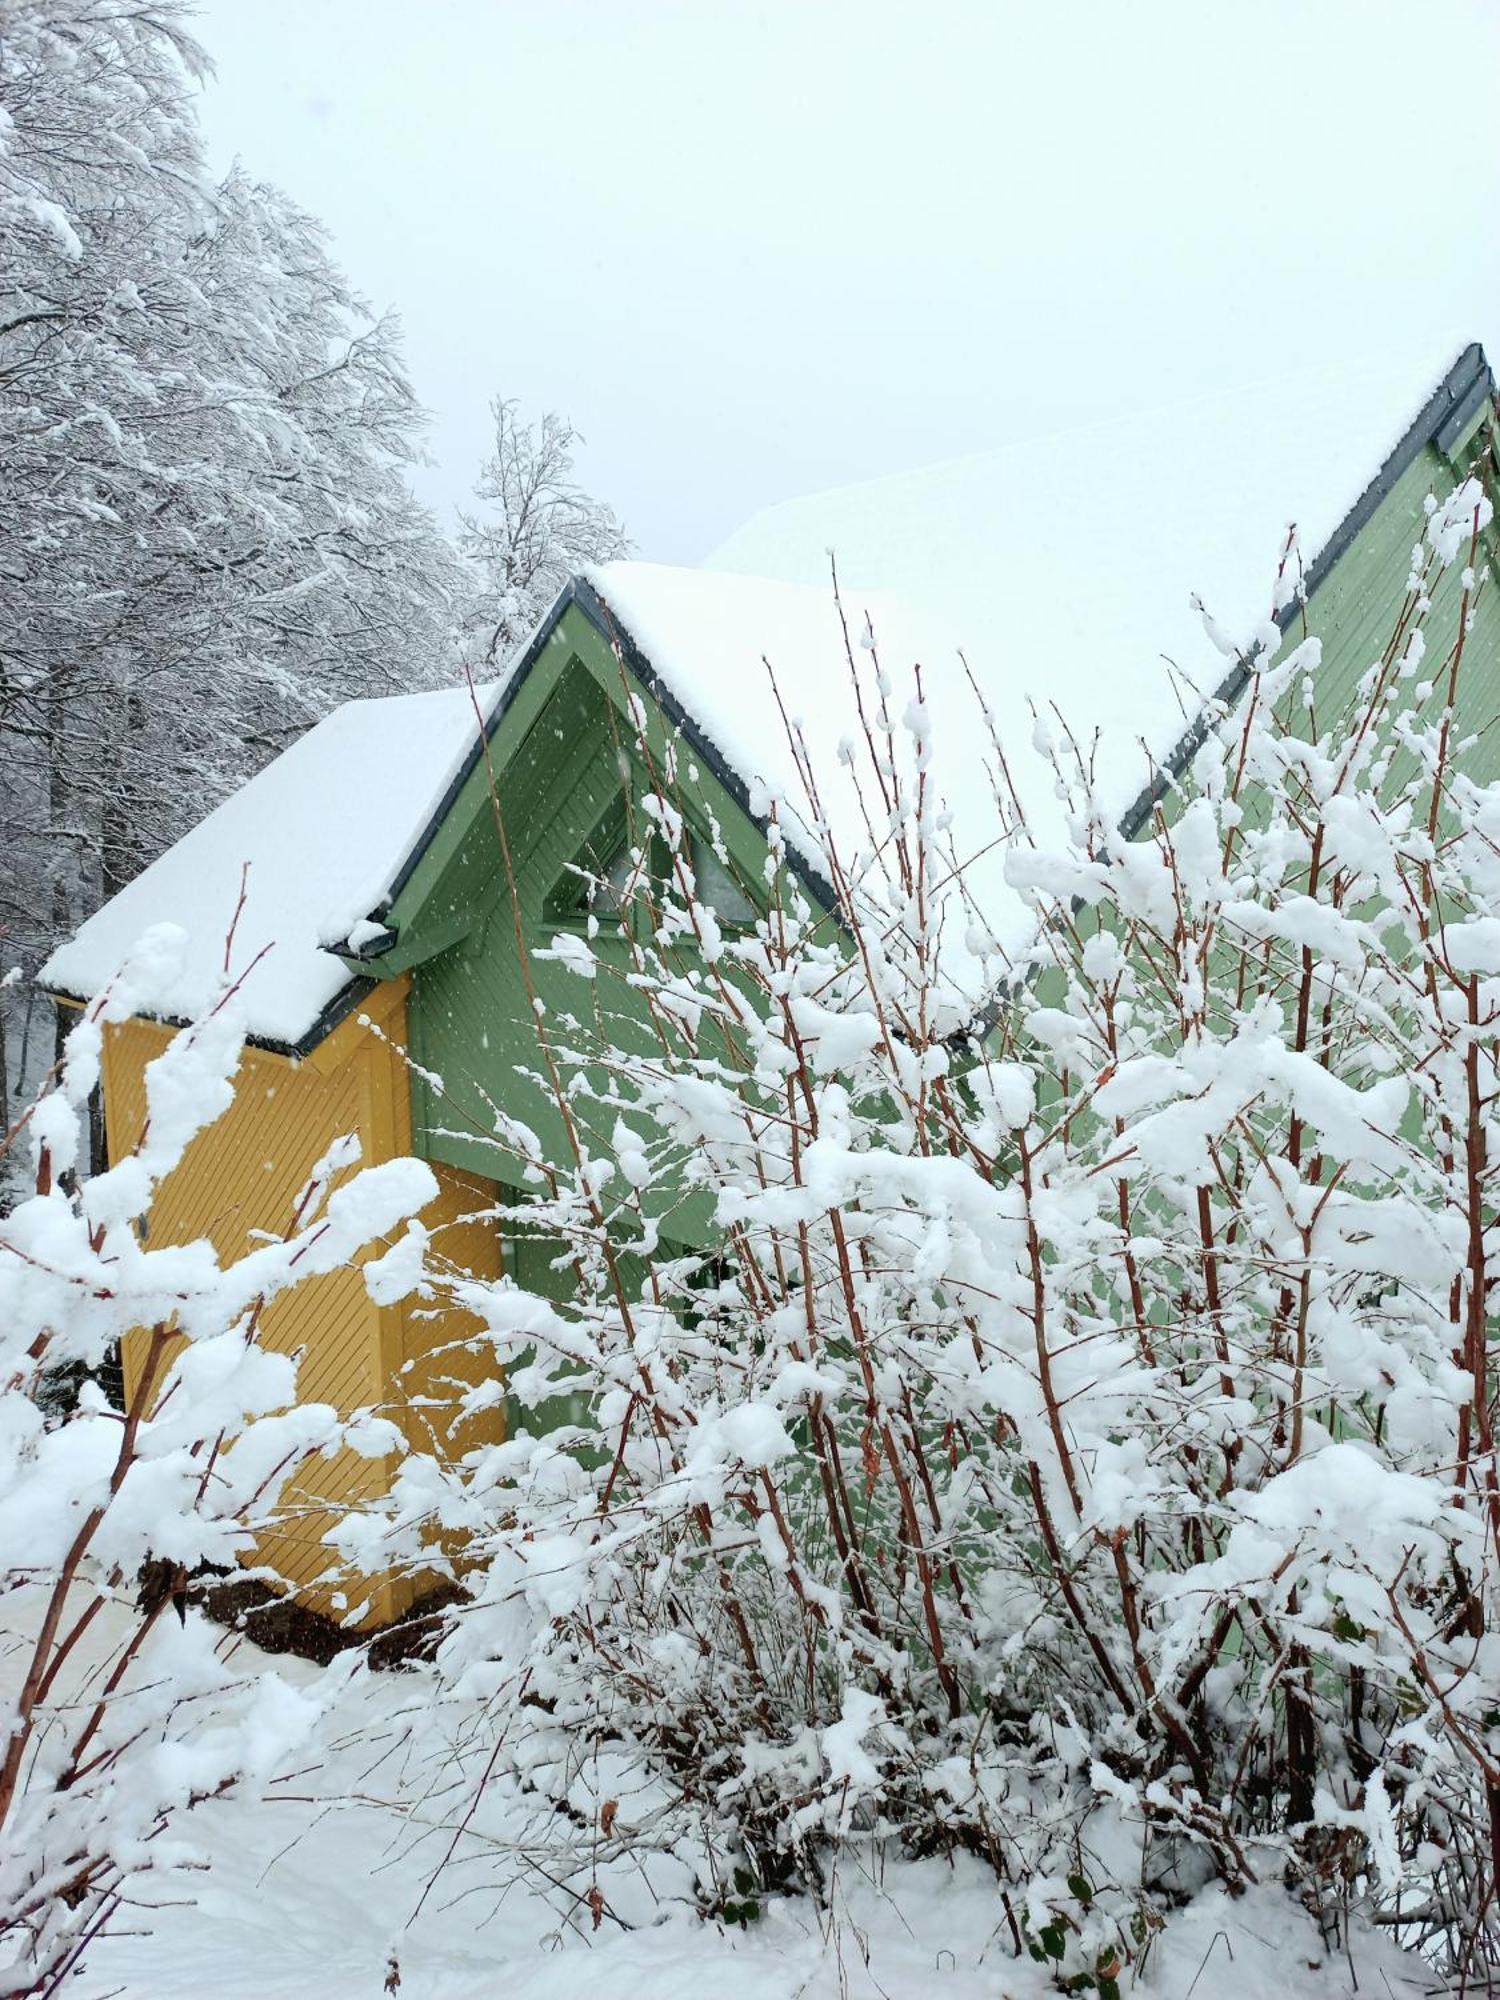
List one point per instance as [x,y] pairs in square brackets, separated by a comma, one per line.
[313,1886]
[313,1882]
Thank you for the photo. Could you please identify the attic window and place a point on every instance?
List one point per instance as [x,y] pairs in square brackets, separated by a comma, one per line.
[599,881]
[596,883]
[719,889]
[607,895]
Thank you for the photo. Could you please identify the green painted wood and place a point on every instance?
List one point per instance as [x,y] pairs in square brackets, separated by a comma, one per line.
[561,766]
[1354,615]
[557,713]
[1355,612]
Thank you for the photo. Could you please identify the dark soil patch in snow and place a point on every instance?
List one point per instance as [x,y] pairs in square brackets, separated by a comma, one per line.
[414,1636]
[280,1624]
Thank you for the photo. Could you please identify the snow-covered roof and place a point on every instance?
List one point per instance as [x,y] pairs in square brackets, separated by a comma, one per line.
[324,831]
[1061,569]
[1058,573]
[732,651]
[1079,550]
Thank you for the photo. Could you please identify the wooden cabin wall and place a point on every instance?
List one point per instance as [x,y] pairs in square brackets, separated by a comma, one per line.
[471,1015]
[242,1175]
[472,1021]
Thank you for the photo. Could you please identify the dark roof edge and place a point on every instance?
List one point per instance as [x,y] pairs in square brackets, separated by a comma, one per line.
[1455,398]
[596,609]
[331,1014]
[578,593]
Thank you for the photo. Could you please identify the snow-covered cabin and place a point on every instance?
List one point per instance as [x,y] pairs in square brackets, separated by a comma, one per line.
[1057,571]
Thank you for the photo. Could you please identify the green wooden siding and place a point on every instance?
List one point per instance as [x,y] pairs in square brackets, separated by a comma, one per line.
[471,1015]
[1355,612]
[562,760]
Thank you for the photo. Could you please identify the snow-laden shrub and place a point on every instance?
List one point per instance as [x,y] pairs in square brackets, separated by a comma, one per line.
[123,1705]
[1074,1442]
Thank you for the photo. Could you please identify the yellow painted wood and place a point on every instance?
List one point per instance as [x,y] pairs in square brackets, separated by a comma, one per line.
[443,1352]
[242,1176]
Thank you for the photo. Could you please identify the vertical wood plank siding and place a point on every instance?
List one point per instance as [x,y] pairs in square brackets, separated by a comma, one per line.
[1355,612]
[472,1023]
[242,1176]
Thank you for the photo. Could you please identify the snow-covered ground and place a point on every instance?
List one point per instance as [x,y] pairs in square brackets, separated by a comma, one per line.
[319,1883]
[323,1917]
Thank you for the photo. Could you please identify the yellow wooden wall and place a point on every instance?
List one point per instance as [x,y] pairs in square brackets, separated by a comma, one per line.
[242,1175]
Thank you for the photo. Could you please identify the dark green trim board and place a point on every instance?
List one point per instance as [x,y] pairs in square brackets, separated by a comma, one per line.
[1442,422]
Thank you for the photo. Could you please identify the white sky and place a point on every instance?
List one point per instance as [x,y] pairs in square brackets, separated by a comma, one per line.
[756,249]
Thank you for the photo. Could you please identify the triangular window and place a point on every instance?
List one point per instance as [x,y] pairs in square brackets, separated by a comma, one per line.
[719,888]
[597,882]
[605,874]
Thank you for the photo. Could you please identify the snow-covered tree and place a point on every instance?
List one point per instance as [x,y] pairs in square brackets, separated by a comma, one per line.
[536,528]
[206,534]
[1077,1445]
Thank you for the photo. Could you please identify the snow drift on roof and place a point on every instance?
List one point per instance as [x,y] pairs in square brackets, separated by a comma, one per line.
[1062,568]
[1071,558]
[1059,573]
[726,647]
[323,829]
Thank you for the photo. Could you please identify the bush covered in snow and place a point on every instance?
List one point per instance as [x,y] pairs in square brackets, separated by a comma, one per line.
[1073,1440]
[1070,1440]
[121,1722]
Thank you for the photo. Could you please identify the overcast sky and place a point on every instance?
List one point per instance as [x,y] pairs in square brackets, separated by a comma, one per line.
[756,249]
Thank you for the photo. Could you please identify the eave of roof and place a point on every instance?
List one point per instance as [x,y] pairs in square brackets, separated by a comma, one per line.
[576,593]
